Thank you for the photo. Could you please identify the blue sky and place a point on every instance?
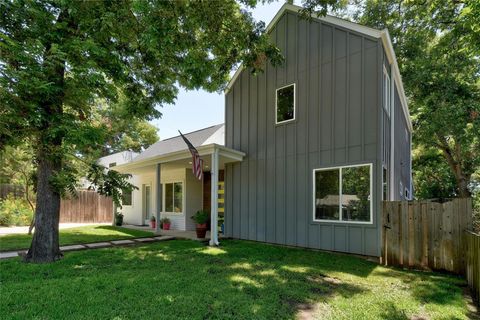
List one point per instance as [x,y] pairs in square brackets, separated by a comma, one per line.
[194,110]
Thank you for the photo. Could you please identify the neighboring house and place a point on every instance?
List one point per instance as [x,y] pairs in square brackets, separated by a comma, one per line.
[110,161]
[311,148]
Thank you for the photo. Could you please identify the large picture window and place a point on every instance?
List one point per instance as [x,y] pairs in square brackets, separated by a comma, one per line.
[174,197]
[343,194]
[285,104]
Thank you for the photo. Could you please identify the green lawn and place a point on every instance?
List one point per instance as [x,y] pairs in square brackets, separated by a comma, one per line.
[85,234]
[184,279]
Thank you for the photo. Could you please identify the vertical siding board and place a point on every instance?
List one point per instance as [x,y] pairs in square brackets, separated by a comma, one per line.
[301,201]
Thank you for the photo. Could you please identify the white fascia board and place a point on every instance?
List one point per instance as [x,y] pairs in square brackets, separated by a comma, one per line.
[232,154]
[387,44]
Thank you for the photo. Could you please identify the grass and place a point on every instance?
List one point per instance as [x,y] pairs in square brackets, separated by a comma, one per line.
[85,234]
[184,279]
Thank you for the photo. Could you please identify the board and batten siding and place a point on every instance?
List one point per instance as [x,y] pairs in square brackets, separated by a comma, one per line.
[338,78]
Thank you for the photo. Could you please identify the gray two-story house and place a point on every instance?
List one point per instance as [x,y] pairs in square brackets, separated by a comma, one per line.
[327,137]
[308,151]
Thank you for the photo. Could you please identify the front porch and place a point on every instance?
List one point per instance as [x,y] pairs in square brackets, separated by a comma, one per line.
[167,188]
[178,234]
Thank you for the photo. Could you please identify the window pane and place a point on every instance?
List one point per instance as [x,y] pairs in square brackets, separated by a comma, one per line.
[169,197]
[285,103]
[127,198]
[178,197]
[356,193]
[327,194]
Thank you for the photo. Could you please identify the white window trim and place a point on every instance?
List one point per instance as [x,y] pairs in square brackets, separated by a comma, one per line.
[164,196]
[370,221]
[294,103]
[388,106]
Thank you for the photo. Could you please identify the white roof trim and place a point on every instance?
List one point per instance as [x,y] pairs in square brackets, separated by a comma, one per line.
[231,154]
[392,58]
[384,35]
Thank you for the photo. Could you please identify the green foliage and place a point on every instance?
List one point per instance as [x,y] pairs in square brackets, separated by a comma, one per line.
[109,183]
[431,175]
[165,220]
[15,212]
[201,216]
[121,131]
[435,43]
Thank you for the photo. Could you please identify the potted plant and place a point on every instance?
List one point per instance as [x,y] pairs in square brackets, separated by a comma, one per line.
[165,223]
[221,224]
[153,222]
[118,219]
[201,218]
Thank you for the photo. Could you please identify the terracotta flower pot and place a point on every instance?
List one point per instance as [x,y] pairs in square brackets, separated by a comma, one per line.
[166,226]
[153,224]
[201,230]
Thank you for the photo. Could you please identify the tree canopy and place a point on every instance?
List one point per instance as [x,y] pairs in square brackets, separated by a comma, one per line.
[59,57]
[438,51]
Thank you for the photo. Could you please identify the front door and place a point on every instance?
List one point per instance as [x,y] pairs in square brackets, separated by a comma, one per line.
[147,212]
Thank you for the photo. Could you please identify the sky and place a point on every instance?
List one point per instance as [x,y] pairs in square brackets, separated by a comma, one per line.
[195,110]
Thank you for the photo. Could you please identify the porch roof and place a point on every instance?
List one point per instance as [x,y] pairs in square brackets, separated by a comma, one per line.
[227,155]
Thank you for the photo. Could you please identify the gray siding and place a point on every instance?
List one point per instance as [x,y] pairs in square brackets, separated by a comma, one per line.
[338,90]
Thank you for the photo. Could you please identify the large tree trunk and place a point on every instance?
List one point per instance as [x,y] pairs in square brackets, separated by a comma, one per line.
[45,243]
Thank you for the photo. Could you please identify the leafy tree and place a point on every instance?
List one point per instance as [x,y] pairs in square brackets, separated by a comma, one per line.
[432,175]
[123,132]
[58,57]
[437,46]
[17,167]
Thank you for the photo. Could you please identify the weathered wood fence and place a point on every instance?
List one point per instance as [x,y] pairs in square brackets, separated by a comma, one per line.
[472,271]
[427,234]
[87,206]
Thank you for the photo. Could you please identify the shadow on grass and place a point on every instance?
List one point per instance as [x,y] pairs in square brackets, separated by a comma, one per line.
[428,287]
[185,279]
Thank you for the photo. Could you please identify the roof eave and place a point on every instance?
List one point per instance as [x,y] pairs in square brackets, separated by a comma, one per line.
[233,155]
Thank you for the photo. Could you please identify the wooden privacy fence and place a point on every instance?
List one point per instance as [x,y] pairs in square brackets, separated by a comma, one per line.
[472,271]
[426,234]
[88,206]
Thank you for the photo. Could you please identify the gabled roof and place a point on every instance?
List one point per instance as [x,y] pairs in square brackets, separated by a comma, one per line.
[371,32]
[214,134]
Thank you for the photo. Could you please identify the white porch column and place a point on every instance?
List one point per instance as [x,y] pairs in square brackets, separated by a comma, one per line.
[214,199]
[158,196]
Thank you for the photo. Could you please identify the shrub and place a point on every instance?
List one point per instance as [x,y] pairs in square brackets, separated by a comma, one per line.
[15,212]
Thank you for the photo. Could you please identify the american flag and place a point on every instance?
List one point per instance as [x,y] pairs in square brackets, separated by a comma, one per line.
[197,163]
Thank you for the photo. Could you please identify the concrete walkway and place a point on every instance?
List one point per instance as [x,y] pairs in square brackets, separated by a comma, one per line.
[24,229]
[95,245]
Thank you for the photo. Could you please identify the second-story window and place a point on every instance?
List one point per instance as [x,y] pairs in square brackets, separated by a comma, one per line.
[285,104]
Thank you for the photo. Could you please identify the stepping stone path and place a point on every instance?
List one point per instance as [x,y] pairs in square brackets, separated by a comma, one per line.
[96,245]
